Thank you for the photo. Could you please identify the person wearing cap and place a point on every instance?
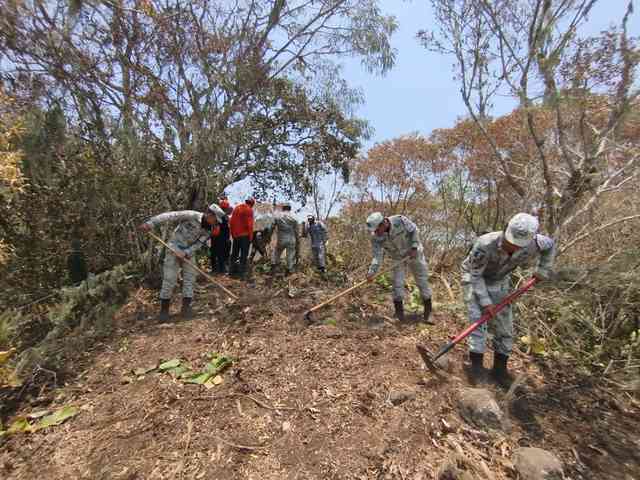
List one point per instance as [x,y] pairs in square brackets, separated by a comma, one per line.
[398,236]
[317,233]
[220,248]
[486,280]
[192,232]
[286,226]
[241,226]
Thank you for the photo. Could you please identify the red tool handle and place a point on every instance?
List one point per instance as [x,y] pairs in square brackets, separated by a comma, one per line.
[486,317]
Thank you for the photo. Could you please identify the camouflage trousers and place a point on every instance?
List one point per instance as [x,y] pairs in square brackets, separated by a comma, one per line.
[290,246]
[318,255]
[502,323]
[170,271]
[420,271]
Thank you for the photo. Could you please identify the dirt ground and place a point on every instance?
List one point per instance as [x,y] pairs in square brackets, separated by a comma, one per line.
[344,398]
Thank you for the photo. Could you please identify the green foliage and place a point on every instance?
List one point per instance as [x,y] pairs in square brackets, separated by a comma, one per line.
[169,364]
[7,328]
[414,303]
[26,425]
[591,319]
[76,212]
[384,281]
[183,371]
[83,314]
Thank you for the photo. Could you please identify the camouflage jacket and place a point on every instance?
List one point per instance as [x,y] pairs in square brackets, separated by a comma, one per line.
[401,237]
[287,226]
[189,235]
[317,234]
[487,262]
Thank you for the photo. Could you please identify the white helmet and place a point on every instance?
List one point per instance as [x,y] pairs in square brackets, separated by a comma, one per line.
[374,220]
[522,229]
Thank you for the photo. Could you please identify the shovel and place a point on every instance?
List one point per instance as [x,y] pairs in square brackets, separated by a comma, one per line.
[430,360]
[307,315]
[189,262]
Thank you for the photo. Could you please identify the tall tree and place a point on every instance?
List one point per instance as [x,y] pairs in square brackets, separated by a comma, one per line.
[221,86]
[585,87]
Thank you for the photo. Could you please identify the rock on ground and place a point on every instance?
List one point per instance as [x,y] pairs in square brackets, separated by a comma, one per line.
[537,464]
[477,406]
[450,470]
[397,397]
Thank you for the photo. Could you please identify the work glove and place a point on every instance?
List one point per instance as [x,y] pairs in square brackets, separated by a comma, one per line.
[489,309]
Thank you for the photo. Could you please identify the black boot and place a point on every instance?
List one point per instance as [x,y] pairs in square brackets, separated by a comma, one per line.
[499,372]
[163,316]
[186,311]
[427,311]
[399,307]
[476,373]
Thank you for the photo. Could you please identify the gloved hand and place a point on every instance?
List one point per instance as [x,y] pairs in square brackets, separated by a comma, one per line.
[145,227]
[489,309]
[413,253]
[370,277]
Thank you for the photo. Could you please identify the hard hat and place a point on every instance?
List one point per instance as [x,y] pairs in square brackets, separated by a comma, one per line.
[522,229]
[224,204]
[374,220]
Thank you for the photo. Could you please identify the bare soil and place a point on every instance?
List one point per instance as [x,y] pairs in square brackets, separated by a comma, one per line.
[344,398]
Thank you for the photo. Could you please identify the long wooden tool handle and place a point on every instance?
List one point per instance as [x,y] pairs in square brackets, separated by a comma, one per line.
[207,276]
[357,285]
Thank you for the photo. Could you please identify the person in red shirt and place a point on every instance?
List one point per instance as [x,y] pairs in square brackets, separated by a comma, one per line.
[241,226]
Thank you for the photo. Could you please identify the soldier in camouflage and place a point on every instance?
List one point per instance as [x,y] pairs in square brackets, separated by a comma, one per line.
[317,233]
[486,280]
[287,238]
[398,236]
[192,232]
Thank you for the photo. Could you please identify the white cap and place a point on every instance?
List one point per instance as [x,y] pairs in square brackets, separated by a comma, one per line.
[522,229]
[374,220]
[215,209]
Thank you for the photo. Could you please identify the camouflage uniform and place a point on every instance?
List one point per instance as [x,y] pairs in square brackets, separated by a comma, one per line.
[486,280]
[318,235]
[287,228]
[397,242]
[188,237]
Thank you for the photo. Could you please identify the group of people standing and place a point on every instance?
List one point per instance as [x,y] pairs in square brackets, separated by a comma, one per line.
[234,238]
[486,270]
[238,237]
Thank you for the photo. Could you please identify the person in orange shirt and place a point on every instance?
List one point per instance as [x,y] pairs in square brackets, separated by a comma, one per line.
[241,226]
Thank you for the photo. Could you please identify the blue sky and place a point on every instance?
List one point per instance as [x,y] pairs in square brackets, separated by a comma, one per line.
[419,94]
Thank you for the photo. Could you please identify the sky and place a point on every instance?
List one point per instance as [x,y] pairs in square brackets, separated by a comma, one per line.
[419,93]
